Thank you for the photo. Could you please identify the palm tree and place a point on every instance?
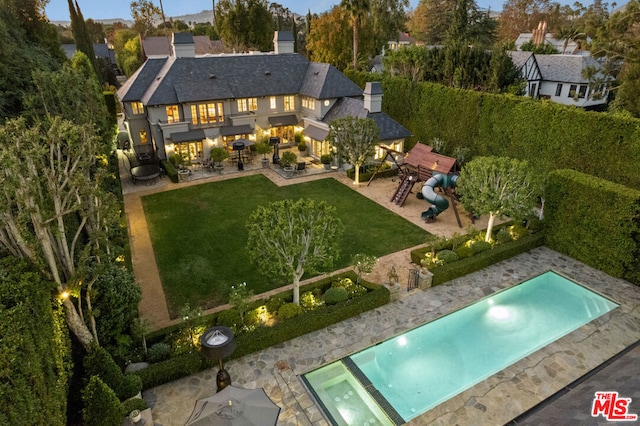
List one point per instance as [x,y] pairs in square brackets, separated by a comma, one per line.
[357,9]
[568,34]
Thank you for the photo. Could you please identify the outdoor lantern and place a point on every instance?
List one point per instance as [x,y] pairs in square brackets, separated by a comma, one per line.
[239,146]
[217,344]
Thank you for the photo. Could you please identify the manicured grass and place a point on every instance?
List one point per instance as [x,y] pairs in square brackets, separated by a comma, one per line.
[199,234]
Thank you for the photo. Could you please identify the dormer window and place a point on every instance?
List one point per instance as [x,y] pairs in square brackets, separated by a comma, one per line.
[289,103]
[308,103]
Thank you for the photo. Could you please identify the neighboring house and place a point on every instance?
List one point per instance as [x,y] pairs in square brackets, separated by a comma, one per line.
[162,47]
[101,50]
[572,46]
[403,40]
[560,79]
[188,104]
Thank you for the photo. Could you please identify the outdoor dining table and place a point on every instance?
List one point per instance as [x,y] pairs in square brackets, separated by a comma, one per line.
[145,172]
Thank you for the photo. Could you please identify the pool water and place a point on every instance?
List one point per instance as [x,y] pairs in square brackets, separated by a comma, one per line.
[411,373]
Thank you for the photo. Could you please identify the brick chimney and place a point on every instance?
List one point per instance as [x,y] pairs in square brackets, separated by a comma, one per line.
[373,97]
[539,33]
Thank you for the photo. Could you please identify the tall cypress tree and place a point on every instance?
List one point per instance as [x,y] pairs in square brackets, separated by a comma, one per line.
[81,34]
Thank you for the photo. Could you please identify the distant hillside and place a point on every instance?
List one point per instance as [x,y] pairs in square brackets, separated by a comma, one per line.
[204,16]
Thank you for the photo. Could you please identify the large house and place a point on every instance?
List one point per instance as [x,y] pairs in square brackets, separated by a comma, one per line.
[187,104]
[561,78]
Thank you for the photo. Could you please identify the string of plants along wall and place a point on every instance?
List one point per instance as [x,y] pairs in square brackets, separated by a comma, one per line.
[594,221]
[551,136]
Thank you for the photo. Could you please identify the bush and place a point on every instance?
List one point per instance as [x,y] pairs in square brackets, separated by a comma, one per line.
[302,146]
[309,301]
[342,283]
[518,231]
[356,290]
[464,251]
[101,405]
[335,295]
[159,352]
[503,235]
[171,171]
[273,304]
[134,404]
[288,159]
[98,362]
[480,246]
[326,158]
[231,318]
[288,310]
[171,369]
[385,171]
[447,256]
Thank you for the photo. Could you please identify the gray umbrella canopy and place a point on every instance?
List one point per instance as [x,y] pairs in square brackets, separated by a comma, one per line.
[235,406]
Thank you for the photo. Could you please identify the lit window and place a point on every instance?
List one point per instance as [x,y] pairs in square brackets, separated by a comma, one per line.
[172,114]
[207,113]
[289,103]
[272,102]
[143,136]
[308,103]
[137,107]
[247,104]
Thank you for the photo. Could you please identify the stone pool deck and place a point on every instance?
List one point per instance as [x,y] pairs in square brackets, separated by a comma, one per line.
[497,400]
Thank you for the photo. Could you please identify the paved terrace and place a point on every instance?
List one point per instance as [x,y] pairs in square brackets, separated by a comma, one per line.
[497,400]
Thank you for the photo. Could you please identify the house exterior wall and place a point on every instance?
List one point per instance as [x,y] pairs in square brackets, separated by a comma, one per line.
[569,96]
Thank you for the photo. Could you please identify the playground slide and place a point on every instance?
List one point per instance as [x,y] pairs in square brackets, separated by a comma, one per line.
[439,203]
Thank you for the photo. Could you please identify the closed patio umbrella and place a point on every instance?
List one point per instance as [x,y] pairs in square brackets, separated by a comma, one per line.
[234,406]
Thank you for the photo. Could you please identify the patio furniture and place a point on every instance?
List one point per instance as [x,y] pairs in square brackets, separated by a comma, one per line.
[145,172]
[301,168]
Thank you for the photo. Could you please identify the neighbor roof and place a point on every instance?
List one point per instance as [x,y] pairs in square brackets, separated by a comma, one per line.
[161,46]
[565,68]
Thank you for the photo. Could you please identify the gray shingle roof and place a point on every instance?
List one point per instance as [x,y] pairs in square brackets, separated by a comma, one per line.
[179,80]
[519,58]
[565,68]
[389,128]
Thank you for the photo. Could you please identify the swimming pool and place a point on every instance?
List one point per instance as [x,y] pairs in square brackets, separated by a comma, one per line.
[400,378]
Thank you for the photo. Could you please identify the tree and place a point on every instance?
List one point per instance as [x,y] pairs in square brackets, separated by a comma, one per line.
[354,139]
[568,34]
[126,45]
[81,35]
[101,405]
[145,14]
[288,238]
[245,24]
[389,19]
[498,186]
[431,20]
[330,38]
[522,16]
[356,9]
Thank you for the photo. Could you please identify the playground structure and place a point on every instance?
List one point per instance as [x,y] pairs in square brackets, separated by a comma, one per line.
[422,164]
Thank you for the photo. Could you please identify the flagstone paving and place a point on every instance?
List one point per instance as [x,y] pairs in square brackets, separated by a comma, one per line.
[495,401]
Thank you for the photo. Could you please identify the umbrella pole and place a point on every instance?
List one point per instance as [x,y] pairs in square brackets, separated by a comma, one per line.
[223,379]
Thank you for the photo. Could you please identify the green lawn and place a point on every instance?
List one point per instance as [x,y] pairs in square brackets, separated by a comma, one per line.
[199,234]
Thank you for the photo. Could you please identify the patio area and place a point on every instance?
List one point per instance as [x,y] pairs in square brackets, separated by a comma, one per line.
[497,400]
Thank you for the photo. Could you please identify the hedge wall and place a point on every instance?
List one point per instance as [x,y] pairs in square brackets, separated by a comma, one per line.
[594,221]
[551,136]
[34,349]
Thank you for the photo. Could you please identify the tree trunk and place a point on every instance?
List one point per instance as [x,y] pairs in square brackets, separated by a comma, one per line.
[355,44]
[492,218]
[357,174]
[76,325]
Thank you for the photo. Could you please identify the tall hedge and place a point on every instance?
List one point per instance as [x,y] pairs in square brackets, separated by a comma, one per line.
[34,349]
[594,221]
[551,136]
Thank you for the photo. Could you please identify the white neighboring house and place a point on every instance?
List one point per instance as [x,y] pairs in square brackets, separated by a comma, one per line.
[560,79]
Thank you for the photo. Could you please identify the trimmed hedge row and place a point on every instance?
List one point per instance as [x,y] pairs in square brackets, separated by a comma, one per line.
[549,135]
[364,177]
[172,173]
[504,251]
[264,337]
[594,221]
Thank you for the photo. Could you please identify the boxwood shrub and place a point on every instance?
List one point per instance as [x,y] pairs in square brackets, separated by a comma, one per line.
[172,173]
[263,337]
[384,172]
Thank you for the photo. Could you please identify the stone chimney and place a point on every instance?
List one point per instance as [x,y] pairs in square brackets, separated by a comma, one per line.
[182,45]
[373,97]
[283,42]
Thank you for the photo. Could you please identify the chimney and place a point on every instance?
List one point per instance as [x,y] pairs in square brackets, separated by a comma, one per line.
[540,33]
[182,45]
[283,42]
[373,97]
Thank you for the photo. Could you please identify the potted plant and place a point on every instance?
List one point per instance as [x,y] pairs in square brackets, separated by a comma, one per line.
[178,160]
[326,160]
[287,161]
[264,148]
[302,147]
[218,155]
[135,416]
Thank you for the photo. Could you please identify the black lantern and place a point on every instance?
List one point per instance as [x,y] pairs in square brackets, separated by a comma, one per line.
[217,344]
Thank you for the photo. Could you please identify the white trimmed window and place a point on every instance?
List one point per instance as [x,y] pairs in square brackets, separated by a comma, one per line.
[272,102]
[247,104]
[308,102]
[211,112]
[289,103]
[172,114]
[137,107]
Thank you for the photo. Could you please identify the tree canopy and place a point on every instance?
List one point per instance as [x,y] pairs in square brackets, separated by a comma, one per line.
[498,186]
[145,14]
[354,139]
[288,238]
[245,24]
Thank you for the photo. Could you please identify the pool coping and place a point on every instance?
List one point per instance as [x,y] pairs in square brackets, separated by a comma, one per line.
[511,392]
